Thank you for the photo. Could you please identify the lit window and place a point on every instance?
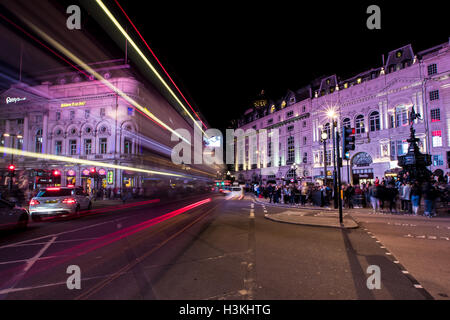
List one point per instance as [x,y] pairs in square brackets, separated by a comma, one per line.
[88,146]
[346,123]
[58,147]
[359,124]
[291,150]
[401,116]
[437,138]
[73,147]
[438,160]
[290,114]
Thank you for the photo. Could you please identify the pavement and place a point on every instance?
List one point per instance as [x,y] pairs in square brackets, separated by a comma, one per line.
[307,215]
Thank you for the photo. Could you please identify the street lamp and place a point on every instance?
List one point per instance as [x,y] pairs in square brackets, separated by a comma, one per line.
[324,140]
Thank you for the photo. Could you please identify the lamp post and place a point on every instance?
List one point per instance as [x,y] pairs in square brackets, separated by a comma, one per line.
[294,167]
[324,140]
[332,116]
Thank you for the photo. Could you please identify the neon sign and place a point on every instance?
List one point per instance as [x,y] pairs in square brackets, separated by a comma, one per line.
[110,177]
[73,104]
[14,100]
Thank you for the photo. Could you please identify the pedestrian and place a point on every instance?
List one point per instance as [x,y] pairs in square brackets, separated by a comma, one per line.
[416,194]
[374,200]
[429,193]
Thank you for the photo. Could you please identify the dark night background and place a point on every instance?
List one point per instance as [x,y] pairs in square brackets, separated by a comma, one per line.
[222,54]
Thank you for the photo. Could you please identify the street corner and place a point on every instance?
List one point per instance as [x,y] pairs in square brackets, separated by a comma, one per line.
[314,220]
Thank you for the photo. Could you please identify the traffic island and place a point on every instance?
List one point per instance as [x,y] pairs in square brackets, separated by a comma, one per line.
[326,219]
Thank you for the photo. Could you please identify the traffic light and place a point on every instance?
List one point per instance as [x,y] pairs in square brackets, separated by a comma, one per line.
[348,142]
[56,173]
[12,170]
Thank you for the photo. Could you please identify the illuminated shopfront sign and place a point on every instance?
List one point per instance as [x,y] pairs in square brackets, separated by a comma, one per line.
[110,177]
[102,172]
[73,104]
[86,172]
[71,173]
[14,100]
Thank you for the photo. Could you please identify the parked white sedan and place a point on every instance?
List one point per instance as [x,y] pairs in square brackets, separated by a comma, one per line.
[52,202]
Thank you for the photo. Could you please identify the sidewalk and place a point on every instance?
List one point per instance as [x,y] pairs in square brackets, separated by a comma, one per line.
[313,216]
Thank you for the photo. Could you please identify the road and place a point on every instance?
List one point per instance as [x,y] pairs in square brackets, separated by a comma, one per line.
[205,247]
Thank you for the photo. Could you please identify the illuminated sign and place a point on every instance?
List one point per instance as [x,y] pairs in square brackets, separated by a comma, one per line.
[102,172]
[86,172]
[73,104]
[71,173]
[110,177]
[14,100]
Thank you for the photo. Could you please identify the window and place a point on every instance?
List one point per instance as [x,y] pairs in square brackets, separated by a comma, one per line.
[346,123]
[38,119]
[359,124]
[328,157]
[435,115]
[103,145]
[401,116]
[304,108]
[374,121]
[290,128]
[72,115]
[20,144]
[58,148]
[327,129]
[88,130]
[438,160]
[102,112]
[289,114]
[305,160]
[437,138]
[391,121]
[127,146]
[432,69]
[73,147]
[38,142]
[88,146]
[270,121]
[304,124]
[402,148]
[291,151]
[87,113]
[58,116]
[130,111]
[434,95]
[305,140]
[19,121]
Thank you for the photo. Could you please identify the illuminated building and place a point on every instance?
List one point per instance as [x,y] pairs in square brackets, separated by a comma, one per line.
[73,116]
[377,103]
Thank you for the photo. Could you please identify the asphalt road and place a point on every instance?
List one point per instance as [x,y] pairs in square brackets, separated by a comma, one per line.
[199,248]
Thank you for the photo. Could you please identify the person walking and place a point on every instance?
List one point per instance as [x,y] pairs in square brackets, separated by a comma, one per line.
[416,194]
[374,200]
[428,196]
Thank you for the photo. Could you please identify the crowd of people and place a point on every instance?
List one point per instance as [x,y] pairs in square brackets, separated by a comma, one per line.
[385,195]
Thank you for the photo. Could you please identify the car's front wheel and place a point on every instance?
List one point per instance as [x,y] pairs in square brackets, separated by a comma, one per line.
[89,206]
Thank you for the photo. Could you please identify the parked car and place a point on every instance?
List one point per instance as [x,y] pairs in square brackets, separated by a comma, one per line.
[59,202]
[12,216]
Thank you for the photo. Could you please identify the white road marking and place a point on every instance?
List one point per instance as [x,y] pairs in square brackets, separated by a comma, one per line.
[61,233]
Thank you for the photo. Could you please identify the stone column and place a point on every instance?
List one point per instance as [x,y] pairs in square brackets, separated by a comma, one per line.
[26,134]
[45,148]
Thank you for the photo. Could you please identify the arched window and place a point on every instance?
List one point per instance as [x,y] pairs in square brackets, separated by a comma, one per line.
[359,124]
[374,119]
[327,129]
[38,141]
[346,123]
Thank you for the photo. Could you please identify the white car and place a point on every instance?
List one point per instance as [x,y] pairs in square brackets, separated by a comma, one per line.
[236,191]
[53,202]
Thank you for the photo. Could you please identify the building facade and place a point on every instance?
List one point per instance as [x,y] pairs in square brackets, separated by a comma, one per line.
[74,117]
[378,104]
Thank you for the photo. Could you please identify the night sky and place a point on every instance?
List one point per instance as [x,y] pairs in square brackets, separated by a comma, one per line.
[222,54]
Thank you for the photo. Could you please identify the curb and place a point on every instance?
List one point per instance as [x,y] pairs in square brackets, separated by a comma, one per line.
[311,224]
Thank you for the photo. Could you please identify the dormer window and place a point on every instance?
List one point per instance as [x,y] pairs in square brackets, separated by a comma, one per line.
[399,54]
[272,109]
[283,104]
[359,81]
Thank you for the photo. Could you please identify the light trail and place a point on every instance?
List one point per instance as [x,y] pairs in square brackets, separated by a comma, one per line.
[45,156]
[86,67]
[133,44]
[160,64]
